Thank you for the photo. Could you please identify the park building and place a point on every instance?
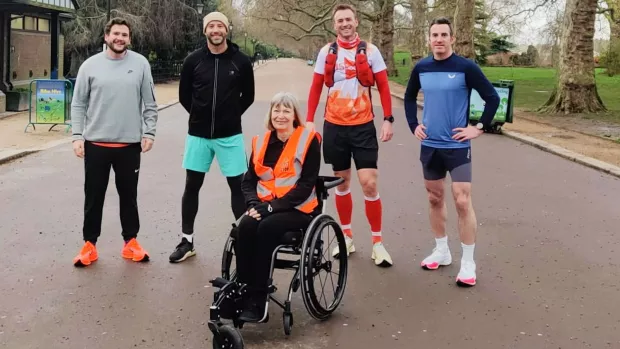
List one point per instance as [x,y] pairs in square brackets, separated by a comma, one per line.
[31,46]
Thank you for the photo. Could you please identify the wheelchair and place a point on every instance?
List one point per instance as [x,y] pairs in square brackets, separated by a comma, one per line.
[309,246]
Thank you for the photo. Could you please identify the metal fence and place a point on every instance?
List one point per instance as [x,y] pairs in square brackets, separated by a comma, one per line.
[164,71]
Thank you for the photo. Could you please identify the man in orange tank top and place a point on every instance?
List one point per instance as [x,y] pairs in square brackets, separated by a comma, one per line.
[349,130]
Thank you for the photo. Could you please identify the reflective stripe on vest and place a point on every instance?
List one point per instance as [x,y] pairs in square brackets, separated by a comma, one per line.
[275,183]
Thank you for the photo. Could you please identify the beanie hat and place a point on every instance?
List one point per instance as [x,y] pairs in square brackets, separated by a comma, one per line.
[214,16]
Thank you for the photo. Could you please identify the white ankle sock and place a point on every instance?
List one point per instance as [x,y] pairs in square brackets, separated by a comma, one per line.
[442,243]
[468,252]
[189,238]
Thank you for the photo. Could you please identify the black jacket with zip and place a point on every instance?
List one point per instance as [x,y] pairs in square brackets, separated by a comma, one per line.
[216,89]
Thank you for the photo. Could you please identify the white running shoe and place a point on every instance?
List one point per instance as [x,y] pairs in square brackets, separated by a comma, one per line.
[436,259]
[381,256]
[350,247]
[467,274]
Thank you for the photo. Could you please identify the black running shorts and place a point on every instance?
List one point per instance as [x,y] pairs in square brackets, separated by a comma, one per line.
[436,162]
[341,143]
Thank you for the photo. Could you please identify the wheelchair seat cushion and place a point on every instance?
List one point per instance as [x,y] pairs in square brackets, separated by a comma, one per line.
[293,237]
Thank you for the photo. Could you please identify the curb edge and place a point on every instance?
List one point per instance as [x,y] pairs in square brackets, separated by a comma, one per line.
[20,153]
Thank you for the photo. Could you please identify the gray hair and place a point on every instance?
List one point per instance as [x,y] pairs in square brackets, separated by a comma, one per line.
[288,100]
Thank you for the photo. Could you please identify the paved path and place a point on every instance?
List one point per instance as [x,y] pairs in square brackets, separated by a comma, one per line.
[547,254]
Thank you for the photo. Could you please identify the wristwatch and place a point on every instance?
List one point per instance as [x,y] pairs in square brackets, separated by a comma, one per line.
[479,126]
[389,118]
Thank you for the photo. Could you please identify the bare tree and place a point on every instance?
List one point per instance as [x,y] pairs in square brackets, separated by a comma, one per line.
[512,16]
[295,19]
[576,91]
[464,26]
[553,34]
[419,28]
[300,20]
[166,27]
[611,10]
[383,31]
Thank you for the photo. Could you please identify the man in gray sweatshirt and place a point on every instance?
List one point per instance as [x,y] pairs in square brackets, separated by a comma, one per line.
[113,115]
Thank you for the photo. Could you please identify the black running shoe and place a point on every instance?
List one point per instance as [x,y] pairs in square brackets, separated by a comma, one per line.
[183,251]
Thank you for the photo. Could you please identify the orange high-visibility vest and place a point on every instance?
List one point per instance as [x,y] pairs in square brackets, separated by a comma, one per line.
[275,183]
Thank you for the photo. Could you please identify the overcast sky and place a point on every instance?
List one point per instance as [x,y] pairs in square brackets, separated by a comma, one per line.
[537,22]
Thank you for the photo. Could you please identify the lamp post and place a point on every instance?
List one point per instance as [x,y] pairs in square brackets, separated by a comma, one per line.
[199,8]
[246,42]
[231,31]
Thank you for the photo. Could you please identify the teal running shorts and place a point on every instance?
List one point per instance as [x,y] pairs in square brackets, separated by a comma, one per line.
[230,153]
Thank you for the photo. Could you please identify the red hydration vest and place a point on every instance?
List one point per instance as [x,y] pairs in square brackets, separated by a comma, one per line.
[362,69]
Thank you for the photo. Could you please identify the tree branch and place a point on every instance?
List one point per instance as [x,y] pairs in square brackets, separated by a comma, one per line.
[289,21]
[611,11]
[528,10]
[297,38]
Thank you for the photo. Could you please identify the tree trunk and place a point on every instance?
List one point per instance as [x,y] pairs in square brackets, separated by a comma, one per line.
[613,54]
[382,32]
[419,47]
[576,91]
[387,36]
[464,22]
[375,31]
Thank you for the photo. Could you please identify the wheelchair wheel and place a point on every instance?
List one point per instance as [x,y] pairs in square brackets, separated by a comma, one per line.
[227,259]
[287,321]
[315,258]
[229,338]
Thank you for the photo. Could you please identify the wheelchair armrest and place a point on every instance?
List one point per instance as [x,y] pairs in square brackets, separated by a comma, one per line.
[325,183]
[333,182]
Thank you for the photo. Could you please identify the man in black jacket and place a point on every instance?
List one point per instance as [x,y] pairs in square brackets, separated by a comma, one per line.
[216,88]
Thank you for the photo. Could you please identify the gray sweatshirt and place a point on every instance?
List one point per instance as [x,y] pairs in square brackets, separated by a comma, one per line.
[108,100]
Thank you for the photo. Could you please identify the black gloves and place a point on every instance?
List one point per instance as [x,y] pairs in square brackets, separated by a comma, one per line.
[252,203]
[264,209]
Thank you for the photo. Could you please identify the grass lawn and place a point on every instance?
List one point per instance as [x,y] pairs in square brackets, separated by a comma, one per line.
[533,86]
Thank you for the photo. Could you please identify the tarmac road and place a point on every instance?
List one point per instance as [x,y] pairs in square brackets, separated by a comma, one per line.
[547,254]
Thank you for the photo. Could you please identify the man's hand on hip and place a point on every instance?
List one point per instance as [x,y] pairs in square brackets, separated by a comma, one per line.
[466,133]
[419,132]
[147,144]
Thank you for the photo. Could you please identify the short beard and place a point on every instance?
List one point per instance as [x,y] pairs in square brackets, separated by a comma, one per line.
[111,47]
[213,43]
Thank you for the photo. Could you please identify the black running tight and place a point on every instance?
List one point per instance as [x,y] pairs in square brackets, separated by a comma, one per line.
[189,204]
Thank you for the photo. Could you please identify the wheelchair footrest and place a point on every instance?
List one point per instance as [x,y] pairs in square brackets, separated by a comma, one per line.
[219,282]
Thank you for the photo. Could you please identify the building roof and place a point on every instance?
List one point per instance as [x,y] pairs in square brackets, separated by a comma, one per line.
[61,6]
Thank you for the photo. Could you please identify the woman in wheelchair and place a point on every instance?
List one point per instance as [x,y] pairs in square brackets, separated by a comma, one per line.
[280,194]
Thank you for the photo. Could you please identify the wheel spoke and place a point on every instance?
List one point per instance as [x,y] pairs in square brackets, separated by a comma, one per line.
[317,257]
[331,272]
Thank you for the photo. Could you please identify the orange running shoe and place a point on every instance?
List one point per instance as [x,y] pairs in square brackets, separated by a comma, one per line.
[134,251]
[87,255]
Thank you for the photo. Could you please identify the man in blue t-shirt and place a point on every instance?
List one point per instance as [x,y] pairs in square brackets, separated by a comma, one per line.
[447,80]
